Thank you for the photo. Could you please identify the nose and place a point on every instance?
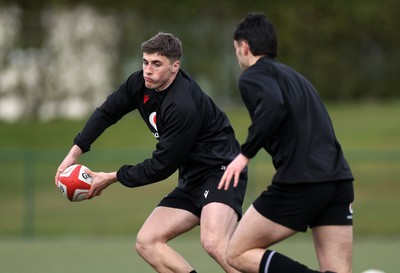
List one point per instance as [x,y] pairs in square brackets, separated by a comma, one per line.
[147,68]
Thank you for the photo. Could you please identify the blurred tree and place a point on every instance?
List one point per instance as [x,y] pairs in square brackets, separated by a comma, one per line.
[348,49]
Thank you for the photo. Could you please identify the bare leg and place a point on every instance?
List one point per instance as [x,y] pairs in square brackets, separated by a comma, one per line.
[162,225]
[218,221]
[334,247]
[252,237]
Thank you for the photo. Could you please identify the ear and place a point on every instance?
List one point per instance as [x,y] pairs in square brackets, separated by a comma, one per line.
[175,66]
[245,47]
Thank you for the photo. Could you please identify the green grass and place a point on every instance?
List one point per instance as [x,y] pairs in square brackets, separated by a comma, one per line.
[30,153]
[117,254]
[97,235]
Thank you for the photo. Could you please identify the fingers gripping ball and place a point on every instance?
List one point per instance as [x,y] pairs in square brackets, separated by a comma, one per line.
[74,182]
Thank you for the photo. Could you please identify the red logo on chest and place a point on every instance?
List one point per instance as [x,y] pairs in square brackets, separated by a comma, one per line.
[145,98]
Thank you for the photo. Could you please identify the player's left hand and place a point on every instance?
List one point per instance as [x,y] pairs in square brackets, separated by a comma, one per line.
[233,171]
[100,181]
[70,159]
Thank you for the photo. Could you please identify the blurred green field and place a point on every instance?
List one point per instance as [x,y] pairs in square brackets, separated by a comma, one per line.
[116,254]
[49,230]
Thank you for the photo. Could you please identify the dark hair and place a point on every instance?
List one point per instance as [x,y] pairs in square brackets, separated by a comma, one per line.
[260,33]
[164,44]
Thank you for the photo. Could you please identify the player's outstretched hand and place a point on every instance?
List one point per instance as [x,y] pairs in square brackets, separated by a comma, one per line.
[100,181]
[233,171]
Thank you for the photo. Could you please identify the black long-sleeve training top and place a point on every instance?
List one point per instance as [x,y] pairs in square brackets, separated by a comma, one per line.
[193,134]
[289,120]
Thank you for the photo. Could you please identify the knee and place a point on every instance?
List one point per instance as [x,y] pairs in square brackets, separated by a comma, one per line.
[213,247]
[232,258]
[144,244]
[220,251]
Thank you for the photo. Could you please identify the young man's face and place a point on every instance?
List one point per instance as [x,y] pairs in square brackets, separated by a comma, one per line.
[158,71]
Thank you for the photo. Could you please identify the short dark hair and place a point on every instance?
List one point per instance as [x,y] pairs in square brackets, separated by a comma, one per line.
[260,33]
[164,44]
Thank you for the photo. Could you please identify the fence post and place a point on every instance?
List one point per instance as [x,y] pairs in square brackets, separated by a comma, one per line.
[29,194]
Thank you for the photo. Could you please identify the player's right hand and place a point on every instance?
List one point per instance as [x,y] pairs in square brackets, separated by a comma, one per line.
[233,171]
[100,181]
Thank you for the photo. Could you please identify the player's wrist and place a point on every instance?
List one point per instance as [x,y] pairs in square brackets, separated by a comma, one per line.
[112,177]
[245,158]
[75,152]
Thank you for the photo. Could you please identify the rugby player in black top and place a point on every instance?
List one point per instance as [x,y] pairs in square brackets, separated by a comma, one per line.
[313,184]
[194,136]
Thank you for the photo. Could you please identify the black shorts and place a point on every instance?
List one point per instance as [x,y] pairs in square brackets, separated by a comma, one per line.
[299,206]
[194,199]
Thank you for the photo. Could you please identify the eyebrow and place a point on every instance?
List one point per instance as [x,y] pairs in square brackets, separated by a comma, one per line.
[154,61]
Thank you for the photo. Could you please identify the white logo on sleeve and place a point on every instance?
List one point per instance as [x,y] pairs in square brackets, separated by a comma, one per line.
[206,193]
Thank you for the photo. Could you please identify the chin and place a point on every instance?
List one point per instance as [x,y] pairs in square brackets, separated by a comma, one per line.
[149,85]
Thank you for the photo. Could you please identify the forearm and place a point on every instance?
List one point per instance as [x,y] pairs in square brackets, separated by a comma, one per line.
[75,152]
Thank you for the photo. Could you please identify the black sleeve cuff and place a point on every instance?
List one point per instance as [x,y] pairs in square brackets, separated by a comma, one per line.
[78,141]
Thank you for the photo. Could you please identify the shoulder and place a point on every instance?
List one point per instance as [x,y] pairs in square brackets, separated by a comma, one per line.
[129,91]
[185,81]
[184,88]
[259,75]
[135,79]
[134,83]
[184,95]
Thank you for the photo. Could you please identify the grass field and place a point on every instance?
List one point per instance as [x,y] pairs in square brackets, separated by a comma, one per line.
[116,254]
[54,235]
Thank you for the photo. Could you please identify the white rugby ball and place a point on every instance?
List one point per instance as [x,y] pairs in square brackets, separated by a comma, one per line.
[74,182]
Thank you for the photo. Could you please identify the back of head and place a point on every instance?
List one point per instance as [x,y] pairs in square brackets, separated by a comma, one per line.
[260,34]
[164,44]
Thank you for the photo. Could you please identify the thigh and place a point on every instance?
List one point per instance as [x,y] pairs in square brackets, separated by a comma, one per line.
[185,199]
[233,197]
[339,211]
[334,247]
[217,222]
[298,206]
[255,231]
[165,223]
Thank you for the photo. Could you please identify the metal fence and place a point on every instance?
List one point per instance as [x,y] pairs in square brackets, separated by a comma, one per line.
[28,174]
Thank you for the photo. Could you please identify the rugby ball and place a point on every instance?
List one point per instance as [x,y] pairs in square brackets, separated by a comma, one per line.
[74,182]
